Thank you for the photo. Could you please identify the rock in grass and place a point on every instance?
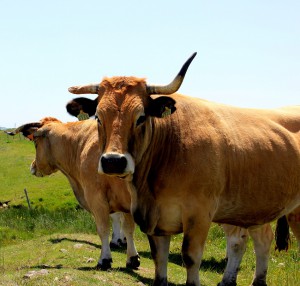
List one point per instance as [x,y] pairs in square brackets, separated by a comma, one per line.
[35,273]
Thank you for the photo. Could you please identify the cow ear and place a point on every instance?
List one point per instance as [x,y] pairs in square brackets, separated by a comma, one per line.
[28,133]
[82,104]
[161,107]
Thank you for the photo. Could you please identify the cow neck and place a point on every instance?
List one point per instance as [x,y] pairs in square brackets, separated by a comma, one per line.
[68,148]
[148,176]
[159,154]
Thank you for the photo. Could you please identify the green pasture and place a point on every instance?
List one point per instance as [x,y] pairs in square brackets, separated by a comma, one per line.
[16,155]
[58,240]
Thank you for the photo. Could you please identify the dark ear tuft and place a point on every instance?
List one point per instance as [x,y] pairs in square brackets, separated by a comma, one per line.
[26,129]
[161,107]
[28,132]
[81,103]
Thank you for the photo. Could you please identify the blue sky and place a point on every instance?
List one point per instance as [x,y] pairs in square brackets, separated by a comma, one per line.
[248,51]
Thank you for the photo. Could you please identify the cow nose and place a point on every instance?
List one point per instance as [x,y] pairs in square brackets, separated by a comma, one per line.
[113,164]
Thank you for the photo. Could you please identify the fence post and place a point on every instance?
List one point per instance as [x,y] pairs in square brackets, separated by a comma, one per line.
[28,202]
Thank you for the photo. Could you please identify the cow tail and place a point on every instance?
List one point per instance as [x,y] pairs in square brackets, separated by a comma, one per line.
[282,234]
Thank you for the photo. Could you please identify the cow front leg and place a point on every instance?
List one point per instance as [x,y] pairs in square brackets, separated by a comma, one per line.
[159,246]
[128,226]
[103,229]
[195,234]
[236,239]
[262,239]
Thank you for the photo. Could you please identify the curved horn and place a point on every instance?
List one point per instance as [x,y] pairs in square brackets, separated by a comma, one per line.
[88,88]
[175,84]
[24,128]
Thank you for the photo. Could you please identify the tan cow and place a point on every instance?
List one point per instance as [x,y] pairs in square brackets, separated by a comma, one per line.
[73,148]
[207,162]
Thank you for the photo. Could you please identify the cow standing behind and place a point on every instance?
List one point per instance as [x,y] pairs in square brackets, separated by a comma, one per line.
[236,238]
[73,148]
[206,163]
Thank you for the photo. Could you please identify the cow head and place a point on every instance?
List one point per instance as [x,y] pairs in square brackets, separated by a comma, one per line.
[37,132]
[125,110]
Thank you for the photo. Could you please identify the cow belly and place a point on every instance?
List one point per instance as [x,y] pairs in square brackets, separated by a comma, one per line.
[247,214]
[243,219]
[170,220]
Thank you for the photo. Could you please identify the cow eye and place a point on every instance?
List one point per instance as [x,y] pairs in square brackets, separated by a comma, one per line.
[98,120]
[141,120]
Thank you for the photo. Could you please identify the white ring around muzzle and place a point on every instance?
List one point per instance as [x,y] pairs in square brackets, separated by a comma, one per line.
[128,170]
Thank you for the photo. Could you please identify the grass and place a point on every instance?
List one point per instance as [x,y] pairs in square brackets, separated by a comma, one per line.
[47,237]
[19,224]
[16,155]
[67,264]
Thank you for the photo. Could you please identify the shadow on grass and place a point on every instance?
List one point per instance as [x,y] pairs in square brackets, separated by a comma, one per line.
[176,258]
[46,266]
[207,264]
[120,249]
[59,240]
[213,265]
[133,273]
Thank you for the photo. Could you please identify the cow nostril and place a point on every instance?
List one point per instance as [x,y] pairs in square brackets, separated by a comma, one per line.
[113,163]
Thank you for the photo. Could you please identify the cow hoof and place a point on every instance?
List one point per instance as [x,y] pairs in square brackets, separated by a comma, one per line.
[259,283]
[123,243]
[104,265]
[160,282]
[114,245]
[117,245]
[134,262]
[227,283]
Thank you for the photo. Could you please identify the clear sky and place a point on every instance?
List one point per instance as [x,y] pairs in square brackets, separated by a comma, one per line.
[248,51]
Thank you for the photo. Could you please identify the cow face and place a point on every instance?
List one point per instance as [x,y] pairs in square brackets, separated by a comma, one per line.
[125,112]
[37,132]
[42,165]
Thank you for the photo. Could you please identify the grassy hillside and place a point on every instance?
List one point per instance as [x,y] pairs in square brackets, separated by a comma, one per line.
[47,237]
[16,155]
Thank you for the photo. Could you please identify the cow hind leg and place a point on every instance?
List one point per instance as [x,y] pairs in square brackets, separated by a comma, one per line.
[159,246]
[236,246]
[294,223]
[128,226]
[262,239]
[295,226]
[118,238]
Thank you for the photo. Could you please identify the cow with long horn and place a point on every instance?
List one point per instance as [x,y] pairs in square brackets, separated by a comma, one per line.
[205,163]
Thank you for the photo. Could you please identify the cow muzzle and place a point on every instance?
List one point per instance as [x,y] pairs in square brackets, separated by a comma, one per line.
[34,170]
[115,164]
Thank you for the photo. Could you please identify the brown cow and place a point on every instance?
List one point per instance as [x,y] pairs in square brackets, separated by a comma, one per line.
[207,162]
[73,148]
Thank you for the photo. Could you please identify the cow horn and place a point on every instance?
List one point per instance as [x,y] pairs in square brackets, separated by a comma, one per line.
[175,84]
[81,89]
[24,127]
